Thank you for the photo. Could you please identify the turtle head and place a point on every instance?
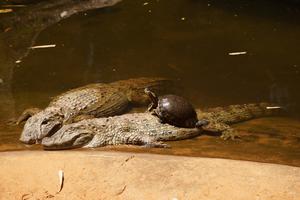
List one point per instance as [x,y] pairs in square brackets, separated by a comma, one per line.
[41,125]
[150,94]
[68,137]
[153,98]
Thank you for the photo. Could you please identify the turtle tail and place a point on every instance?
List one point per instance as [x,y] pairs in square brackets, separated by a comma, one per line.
[201,123]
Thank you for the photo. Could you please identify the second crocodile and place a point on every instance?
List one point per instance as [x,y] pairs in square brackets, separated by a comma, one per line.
[93,100]
[145,129]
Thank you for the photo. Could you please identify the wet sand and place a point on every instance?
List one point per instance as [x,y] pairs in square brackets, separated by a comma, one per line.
[108,175]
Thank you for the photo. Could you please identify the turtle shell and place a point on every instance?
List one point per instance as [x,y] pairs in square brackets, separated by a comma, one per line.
[177,111]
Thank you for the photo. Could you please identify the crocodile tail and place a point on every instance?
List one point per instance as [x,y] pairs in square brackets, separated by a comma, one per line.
[242,112]
[134,88]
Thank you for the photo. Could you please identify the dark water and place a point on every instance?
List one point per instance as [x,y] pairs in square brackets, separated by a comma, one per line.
[187,40]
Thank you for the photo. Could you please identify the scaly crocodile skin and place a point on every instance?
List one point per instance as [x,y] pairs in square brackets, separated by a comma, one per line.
[145,129]
[94,100]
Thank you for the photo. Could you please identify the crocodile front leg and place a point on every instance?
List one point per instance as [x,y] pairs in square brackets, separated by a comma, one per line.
[150,142]
[156,145]
[229,133]
[225,130]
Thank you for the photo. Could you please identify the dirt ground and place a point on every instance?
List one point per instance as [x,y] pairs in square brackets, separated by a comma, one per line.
[115,175]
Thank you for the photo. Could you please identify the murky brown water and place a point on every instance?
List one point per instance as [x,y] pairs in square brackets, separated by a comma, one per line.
[189,40]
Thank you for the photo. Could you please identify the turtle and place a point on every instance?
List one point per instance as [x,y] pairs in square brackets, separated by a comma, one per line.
[174,110]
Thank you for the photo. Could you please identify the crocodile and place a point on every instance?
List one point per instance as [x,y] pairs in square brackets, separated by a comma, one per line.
[93,100]
[145,129]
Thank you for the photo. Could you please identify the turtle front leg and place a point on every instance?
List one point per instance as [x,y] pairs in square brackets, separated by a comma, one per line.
[27,114]
[160,118]
[151,107]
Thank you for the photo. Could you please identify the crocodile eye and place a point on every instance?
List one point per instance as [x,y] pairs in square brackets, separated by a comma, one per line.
[44,122]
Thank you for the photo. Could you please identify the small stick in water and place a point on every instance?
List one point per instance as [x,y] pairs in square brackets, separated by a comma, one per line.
[7,10]
[13,6]
[237,53]
[273,107]
[43,46]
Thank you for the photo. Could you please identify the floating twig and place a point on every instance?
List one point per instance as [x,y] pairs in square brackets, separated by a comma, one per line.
[13,6]
[237,53]
[43,46]
[273,107]
[7,10]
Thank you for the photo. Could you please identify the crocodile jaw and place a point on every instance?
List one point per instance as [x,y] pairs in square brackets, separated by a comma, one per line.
[40,125]
[68,138]
[31,131]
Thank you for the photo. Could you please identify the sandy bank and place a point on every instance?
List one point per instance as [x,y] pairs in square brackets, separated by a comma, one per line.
[109,175]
